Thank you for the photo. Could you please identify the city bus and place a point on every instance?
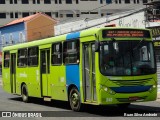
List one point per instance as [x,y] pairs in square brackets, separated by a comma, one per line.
[97,66]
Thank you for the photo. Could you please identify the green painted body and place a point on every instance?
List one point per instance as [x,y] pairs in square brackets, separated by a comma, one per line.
[53,83]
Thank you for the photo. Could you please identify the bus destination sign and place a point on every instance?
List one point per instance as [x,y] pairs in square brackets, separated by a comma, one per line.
[116,33]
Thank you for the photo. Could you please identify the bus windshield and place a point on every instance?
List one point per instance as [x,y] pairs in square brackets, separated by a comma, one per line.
[126,58]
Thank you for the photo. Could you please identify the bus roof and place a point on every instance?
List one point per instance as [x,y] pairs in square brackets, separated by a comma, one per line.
[87,32]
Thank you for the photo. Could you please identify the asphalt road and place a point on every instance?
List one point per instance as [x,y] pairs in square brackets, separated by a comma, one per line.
[61,110]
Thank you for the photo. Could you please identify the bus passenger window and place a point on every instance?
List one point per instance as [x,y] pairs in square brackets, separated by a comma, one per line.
[33,56]
[6,59]
[22,58]
[71,52]
[56,54]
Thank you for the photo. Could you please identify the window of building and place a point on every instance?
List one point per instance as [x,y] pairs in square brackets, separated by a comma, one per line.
[38,1]
[77,1]
[2,15]
[127,1]
[47,1]
[25,14]
[2,2]
[48,13]
[60,1]
[15,1]
[69,15]
[68,1]
[56,1]
[6,59]
[101,1]
[3,40]
[22,57]
[71,52]
[77,15]
[34,1]
[56,54]
[84,12]
[145,1]
[10,39]
[33,56]
[11,15]
[136,1]
[61,15]
[16,15]
[21,37]
[11,1]
[93,12]
[118,1]
[56,14]
[25,1]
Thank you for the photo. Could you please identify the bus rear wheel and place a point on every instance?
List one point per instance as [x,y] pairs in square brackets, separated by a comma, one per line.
[24,93]
[74,100]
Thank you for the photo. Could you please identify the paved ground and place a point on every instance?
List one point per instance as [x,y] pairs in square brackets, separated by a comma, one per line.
[62,110]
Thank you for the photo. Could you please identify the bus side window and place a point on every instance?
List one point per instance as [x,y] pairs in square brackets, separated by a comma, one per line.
[71,52]
[6,59]
[33,56]
[56,54]
[22,57]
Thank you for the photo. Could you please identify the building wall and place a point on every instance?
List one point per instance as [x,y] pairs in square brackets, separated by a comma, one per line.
[62,11]
[40,27]
[13,30]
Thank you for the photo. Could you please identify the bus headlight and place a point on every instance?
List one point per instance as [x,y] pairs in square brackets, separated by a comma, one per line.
[106,89]
[152,88]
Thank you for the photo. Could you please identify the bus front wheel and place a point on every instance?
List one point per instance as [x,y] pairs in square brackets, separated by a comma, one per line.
[24,93]
[74,100]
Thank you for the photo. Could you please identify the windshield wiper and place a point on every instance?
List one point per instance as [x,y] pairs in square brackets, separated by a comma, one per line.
[138,44]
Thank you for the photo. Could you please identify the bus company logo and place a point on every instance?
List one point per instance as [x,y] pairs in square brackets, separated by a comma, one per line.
[6,114]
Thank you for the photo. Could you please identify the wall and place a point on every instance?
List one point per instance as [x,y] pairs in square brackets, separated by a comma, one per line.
[14,30]
[40,27]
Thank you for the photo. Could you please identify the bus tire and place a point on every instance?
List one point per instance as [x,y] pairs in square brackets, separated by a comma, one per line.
[24,92]
[74,100]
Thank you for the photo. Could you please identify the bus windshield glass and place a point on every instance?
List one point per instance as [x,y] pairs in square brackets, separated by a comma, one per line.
[126,58]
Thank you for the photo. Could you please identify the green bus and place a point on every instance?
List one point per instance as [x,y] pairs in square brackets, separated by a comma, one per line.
[98,66]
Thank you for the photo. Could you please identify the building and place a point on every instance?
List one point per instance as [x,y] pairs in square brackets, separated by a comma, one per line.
[27,29]
[64,9]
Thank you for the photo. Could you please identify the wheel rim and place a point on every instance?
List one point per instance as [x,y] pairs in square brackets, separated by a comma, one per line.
[24,94]
[74,99]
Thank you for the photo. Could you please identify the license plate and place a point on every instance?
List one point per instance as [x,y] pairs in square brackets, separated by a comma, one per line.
[133,98]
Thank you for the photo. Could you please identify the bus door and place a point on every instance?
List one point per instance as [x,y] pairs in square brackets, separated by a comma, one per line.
[45,70]
[13,72]
[89,81]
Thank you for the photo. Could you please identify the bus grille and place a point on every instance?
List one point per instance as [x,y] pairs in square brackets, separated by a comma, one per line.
[127,99]
[131,82]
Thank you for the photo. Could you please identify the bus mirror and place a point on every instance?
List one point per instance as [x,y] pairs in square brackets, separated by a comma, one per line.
[96,46]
